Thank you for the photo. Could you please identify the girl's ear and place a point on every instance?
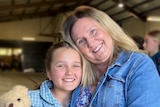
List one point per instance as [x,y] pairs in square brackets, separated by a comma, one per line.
[48,74]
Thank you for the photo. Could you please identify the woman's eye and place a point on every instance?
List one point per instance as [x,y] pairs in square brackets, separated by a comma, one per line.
[93,31]
[82,41]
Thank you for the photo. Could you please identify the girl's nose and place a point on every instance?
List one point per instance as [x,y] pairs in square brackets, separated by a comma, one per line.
[144,44]
[69,71]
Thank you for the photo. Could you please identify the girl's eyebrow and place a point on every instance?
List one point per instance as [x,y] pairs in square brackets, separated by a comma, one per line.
[77,62]
[59,62]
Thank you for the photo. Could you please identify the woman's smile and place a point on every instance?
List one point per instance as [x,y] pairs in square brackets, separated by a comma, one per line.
[97,48]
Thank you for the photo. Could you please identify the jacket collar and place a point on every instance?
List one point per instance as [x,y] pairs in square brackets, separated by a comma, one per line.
[122,58]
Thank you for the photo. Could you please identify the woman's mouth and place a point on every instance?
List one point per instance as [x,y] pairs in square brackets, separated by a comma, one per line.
[98,48]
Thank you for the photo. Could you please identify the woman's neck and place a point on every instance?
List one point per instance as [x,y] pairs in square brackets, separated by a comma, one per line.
[62,96]
[102,68]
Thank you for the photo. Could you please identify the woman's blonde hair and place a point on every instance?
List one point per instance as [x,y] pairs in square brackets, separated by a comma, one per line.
[121,40]
[89,71]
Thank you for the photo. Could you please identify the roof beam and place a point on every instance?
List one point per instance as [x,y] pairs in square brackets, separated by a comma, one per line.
[130,9]
[38,4]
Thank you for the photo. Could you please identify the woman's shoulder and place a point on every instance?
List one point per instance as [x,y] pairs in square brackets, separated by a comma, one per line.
[140,55]
[134,54]
[143,63]
[134,59]
[131,56]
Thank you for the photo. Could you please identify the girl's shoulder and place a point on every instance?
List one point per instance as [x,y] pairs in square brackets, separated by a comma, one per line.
[35,97]
[33,92]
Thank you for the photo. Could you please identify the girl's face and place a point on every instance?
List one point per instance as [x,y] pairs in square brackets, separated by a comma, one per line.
[92,40]
[66,69]
[150,44]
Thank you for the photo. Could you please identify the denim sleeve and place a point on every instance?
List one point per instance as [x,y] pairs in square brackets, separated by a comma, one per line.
[75,95]
[143,85]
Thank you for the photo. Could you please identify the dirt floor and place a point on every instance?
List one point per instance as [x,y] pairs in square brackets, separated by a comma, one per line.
[30,80]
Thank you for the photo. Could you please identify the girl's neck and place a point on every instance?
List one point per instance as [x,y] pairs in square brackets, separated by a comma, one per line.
[62,97]
[153,53]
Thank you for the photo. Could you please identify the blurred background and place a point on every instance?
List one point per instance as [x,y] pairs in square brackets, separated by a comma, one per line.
[29,27]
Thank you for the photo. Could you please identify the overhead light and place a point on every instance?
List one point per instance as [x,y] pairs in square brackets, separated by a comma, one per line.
[120,5]
[153,18]
[28,38]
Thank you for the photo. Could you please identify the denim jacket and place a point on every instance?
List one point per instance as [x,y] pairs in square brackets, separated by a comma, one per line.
[131,81]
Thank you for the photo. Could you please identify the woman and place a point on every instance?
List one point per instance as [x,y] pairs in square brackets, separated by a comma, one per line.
[126,77]
[64,66]
[152,45]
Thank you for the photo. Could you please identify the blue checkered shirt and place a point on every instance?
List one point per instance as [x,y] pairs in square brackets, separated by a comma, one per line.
[43,97]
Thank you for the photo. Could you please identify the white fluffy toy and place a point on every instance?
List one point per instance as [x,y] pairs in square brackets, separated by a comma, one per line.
[16,97]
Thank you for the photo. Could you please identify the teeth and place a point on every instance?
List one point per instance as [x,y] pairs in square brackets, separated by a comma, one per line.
[68,79]
[98,48]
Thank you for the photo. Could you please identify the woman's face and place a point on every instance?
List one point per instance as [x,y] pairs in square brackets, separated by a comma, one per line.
[66,69]
[92,40]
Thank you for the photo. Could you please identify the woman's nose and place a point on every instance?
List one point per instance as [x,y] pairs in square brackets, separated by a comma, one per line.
[90,42]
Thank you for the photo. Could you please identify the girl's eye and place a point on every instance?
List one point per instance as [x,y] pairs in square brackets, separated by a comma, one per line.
[77,65]
[61,65]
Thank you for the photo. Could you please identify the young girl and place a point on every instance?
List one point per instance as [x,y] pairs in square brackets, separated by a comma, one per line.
[152,46]
[64,71]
